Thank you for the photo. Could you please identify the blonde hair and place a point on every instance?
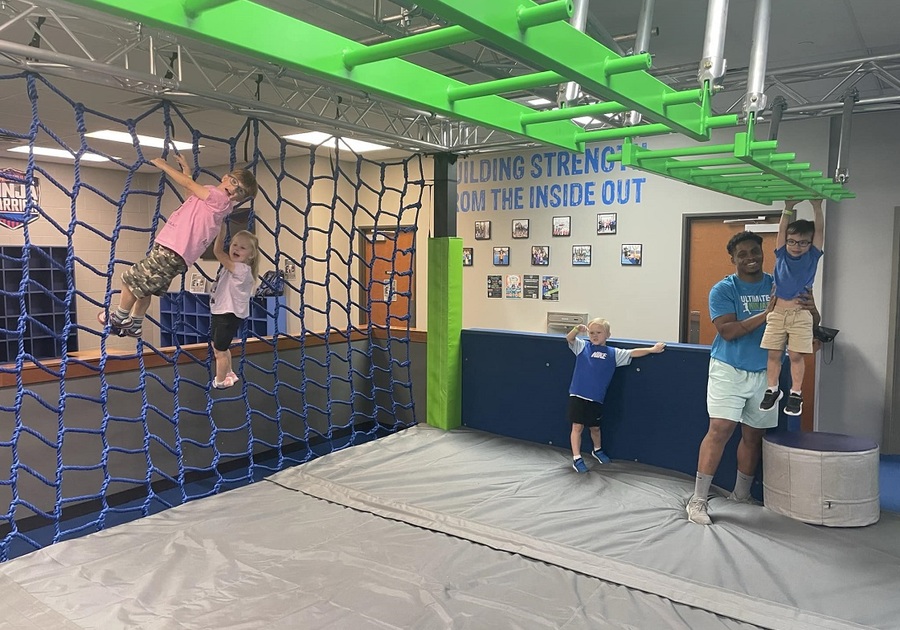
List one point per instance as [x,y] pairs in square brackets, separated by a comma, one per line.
[601,322]
[250,237]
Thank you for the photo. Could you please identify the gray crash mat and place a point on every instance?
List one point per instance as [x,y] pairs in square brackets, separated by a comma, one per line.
[460,529]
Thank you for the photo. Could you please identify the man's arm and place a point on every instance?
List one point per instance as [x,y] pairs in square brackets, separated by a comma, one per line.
[819,218]
[787,215]
[730,328]
[181,177]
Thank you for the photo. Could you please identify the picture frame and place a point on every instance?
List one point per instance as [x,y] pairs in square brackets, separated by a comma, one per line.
[606,223]
[501,256]
[562,226]
[540,255]
[482,230]
[632,254]
[198,283]
[581,255]
[468,256]
[520,228]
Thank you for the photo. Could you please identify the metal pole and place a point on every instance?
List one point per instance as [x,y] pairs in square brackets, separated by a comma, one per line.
[578,20]
[841,171]
[755,99]
[712,65]
[644,29]
[642,45]
[444,221]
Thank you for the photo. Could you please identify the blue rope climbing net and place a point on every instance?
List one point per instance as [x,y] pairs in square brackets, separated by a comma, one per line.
[96,430]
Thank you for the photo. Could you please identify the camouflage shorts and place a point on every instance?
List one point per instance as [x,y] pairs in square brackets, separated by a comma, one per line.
[154,274]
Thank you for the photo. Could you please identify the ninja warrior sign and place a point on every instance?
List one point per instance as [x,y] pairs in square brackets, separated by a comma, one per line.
[14,210]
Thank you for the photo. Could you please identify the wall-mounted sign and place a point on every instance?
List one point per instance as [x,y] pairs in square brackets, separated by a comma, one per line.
[14,210]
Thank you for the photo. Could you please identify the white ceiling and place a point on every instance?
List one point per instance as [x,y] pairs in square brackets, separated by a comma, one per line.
[802,32]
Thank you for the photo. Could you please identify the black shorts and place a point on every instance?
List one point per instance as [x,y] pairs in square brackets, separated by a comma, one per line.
[223,328]
[586,412]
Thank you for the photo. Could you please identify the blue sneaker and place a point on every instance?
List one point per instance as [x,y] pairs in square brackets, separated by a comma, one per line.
[579,465]
[600,456]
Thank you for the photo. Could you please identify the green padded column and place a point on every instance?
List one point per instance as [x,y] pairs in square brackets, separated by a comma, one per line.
[444,402]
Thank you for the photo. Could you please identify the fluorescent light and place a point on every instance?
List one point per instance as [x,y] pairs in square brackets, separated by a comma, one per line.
[144,141]
[537,102]
[59,153]
[585,120]
[327,140]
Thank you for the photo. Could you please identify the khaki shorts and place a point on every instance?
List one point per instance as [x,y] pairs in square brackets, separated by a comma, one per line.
[790,327]
[154,274]
[733,394]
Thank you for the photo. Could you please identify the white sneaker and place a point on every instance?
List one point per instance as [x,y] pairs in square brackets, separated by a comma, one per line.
[697,511]
[749,500]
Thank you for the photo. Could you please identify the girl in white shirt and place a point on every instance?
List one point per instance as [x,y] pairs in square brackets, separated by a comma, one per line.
[230,299]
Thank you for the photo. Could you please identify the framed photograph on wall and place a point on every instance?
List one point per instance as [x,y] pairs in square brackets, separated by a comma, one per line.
[606,223]
[501,256]
[468,256]
[562,226]
[631,254]
[581,255]
[540,255]
[482,230]
[520,228]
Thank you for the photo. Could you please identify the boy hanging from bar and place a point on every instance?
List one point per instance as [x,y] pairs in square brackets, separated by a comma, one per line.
[798,249]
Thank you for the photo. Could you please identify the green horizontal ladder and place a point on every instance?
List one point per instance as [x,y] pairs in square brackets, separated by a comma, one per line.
[746,169]
[539,35]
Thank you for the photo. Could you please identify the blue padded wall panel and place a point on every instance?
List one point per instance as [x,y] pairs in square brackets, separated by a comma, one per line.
[516,384]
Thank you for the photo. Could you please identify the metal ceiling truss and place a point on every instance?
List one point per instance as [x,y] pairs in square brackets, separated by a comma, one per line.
[78,43]
[844,73]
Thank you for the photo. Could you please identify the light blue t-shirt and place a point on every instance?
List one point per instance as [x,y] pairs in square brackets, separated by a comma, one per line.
[795,274]
[733,295]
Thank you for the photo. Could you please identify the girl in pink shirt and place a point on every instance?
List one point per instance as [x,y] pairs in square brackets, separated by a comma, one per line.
[179,244]
[230,299]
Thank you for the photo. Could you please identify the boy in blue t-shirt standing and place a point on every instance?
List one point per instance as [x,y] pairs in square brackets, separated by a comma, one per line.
[595,364]
[798,249]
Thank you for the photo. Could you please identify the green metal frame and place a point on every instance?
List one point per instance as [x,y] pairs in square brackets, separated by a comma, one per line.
[541,37]
[746,169]
[537,34]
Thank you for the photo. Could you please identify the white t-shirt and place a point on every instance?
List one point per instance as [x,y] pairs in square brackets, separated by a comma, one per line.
[233,291]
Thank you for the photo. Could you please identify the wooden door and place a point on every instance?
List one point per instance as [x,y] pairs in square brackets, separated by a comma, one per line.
[707,263]
[388,278]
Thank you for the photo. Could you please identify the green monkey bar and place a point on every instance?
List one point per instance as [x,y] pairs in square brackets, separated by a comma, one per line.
[747,169]
[539,36]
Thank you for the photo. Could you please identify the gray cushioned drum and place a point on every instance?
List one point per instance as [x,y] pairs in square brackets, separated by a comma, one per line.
[822,478]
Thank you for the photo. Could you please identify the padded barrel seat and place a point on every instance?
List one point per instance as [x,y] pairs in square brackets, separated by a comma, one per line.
[822,478]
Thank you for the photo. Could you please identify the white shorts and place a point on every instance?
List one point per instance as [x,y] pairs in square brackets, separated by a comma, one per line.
[734,394]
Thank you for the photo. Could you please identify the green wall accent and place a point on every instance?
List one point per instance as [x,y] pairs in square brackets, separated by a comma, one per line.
[444,399]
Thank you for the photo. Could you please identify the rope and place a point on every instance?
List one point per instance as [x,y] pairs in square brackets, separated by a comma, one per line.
[90,452]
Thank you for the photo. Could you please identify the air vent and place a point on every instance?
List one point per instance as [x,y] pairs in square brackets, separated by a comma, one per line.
[6,138]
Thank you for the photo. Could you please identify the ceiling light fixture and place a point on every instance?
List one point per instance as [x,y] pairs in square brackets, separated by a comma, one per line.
[58,153]
[144,141]
[327,140]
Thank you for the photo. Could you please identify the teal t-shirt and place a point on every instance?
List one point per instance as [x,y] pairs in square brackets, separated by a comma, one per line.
[732,295]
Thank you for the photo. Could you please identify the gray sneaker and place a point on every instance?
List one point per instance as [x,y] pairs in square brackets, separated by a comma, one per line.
[697,511]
